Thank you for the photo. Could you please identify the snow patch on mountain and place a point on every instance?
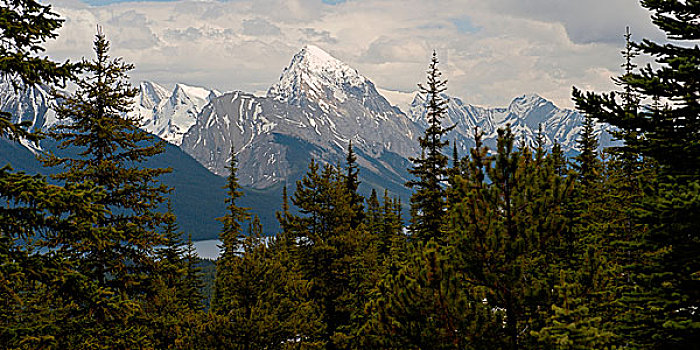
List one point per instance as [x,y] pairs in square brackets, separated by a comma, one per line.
[169,115]
[313,74]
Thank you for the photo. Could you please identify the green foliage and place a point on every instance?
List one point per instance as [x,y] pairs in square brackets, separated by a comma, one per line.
[232,239]
[430,169]
[425,305]
[663,280]
[506,233]
[118,254]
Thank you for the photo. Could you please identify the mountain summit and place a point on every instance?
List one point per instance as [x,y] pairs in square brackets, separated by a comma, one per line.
[314,74]
[313,111]
[316,108]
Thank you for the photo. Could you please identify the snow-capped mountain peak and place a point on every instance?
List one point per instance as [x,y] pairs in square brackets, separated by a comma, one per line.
[526,102]
[314,74]
[151,94]
[170,114]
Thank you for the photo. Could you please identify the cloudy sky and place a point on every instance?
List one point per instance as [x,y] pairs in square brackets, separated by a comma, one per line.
[491,50]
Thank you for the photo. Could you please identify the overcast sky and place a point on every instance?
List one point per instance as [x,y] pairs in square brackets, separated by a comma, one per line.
[491,50]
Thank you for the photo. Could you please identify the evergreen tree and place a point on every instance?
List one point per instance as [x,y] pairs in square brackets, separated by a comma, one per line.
[425,305]
[26,26]
[261,299]
[666,284]
[117,252]
[330,252]
[48,300]
[167,308]
[232,239]
[502,232]
[43,296]
[353,183]
[430,170]
[191,291]
[587,164]
[111,147]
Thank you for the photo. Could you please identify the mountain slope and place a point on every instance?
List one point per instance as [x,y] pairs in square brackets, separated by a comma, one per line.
[170,115]
[318,106]
[524,114]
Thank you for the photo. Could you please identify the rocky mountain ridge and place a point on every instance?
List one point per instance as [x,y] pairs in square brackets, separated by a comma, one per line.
[317,107]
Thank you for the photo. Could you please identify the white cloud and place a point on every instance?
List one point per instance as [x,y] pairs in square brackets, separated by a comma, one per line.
[490,50]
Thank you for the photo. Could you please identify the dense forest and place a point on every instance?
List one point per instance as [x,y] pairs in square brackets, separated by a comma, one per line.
[516,247]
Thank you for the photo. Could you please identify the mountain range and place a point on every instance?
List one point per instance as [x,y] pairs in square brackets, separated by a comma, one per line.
[317,107]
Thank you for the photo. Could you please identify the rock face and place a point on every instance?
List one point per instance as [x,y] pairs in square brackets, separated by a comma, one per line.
[318,106]
[525,114]
[169,115]
[32,105]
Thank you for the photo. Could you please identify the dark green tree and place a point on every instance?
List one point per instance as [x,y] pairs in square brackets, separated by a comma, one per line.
[191,291]
[232,239]
[109,149]
[329,252]
[352,182]
[503,230]
[428,202]
[48,300]
[587,163]
[425,304]
[666,131]
[260,300]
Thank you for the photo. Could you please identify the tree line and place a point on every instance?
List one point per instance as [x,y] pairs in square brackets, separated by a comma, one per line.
[517,247]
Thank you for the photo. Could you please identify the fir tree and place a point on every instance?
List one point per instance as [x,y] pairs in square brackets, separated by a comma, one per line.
[232,239]
[665,280]
[587,164]
[503,230]
[330,252]
[260,300]
[430,170]
[107,150]
[353,183]
[110,148]
[47,301]
[191,291]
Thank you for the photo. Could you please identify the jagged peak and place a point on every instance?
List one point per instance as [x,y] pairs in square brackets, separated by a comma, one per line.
[191,91]
[309,71]
[316,56]
[151,94]
[531,99]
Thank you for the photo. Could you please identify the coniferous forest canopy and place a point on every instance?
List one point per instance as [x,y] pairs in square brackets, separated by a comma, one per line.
[517,247]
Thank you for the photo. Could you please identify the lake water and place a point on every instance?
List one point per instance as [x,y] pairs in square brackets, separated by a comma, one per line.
[208,249]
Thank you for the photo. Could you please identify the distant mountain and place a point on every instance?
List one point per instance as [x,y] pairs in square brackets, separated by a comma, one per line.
[169,115]
[316,108]
[198,196]
[524,114]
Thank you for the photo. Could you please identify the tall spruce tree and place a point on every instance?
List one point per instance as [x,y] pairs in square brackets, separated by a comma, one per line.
[428,202]
[587,163]
[665,131]
[109,149]
[328,251]
[352,182]
[47,300]
[232,239]
[191,291]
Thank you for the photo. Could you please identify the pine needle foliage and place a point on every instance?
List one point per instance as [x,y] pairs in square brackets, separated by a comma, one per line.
[428,202]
